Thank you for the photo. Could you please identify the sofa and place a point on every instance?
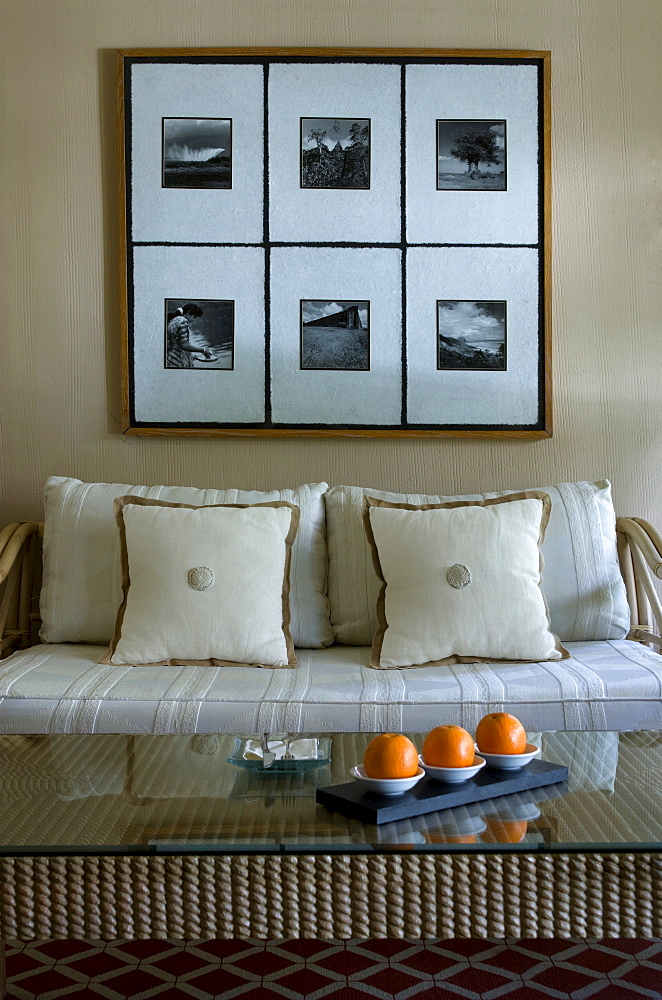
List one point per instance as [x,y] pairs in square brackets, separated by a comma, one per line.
[61,588]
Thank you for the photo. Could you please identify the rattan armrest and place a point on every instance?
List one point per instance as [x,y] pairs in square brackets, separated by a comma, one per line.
[640,634]
[17,571]
[640,554]
[12,539]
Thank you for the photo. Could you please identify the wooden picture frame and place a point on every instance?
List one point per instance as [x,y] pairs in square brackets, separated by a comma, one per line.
[260,179]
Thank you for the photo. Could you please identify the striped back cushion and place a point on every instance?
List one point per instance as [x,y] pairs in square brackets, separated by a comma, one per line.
[581,578]
[81,588]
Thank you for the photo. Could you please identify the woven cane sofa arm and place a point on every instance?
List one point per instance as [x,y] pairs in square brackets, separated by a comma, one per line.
[18,558]
[640,555]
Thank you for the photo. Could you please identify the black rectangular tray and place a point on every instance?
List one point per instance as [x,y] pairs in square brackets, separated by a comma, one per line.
[430,795]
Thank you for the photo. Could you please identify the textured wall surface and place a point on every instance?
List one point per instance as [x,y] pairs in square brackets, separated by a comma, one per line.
[59,369]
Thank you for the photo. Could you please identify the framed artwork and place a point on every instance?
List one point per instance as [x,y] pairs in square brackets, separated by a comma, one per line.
[199,334]
[335,336]
[335,153]
[197,153]
[335,242]
[471,336]
[471,156]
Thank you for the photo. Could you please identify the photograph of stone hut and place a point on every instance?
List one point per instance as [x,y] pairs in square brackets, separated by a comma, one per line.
[335,335]
[335,153]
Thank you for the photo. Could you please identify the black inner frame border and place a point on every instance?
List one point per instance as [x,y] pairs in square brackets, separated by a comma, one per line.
[266,61]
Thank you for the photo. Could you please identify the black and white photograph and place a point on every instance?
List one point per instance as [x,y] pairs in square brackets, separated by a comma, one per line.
[471,155]
[197,153]
[335,335]
[199,333]
[335,153]
[471,335]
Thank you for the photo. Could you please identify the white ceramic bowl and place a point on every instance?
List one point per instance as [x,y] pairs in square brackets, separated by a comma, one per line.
[524,810]
[404,840]
[511,761]
[513,810]
[452,773]
[385,786]
[457,827]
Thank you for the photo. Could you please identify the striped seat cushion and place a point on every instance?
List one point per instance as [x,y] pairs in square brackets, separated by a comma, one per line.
[612,684]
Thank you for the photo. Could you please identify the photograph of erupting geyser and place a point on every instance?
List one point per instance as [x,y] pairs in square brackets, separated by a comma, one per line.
[197,153]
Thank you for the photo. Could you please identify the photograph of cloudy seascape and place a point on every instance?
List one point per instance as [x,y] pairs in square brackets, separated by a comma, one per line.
[335,153]
[471,155]
[197,153]
[199,333]
[471,335]
[335,335]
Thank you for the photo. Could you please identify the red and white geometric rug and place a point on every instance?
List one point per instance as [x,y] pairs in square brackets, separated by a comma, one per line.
[614,969]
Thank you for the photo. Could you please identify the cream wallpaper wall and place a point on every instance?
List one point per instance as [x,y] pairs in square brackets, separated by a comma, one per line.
[59,384]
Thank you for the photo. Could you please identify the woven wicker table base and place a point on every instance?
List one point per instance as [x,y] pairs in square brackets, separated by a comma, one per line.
[332,897]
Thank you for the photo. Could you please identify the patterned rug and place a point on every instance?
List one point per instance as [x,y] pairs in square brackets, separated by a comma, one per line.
[614,969]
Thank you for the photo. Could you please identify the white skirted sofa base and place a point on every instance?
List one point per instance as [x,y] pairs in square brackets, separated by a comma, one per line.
[606,685]
[597,579]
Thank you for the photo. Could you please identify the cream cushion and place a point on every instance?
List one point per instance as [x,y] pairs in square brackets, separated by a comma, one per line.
[581,579]
[460,581]
[204,585]
[82,579]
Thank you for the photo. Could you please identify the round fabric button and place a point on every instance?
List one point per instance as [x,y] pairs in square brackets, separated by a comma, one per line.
[200,578]
[458,576]
[205,743]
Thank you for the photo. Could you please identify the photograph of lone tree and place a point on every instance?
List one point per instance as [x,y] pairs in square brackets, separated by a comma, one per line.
[471,336]
[335,153]
[197,153]
[471,156]
[335,335]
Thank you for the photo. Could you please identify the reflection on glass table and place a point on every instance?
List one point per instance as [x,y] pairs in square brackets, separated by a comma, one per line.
[102,794]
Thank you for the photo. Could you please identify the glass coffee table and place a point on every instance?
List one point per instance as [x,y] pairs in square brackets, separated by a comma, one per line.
[188,837]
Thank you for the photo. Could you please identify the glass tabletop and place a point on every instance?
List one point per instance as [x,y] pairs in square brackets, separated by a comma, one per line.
[120,794]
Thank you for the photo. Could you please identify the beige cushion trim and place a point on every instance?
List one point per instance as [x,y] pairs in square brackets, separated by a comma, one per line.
[119,505]
[370,502]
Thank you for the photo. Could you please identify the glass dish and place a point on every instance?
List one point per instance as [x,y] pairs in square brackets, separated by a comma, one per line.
[279,766]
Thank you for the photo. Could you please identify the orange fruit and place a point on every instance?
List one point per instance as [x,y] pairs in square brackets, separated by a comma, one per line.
[500,732]
[448,746]
[504,831]
[390,755]
[450,838]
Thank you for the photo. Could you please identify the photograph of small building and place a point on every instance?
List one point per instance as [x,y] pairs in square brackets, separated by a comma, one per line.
[335,335]
[335,153]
